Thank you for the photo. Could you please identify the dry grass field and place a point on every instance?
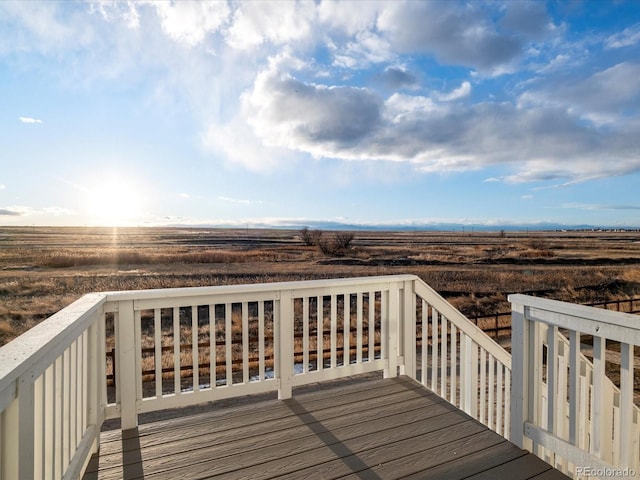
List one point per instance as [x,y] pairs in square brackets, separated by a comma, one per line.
[44,269]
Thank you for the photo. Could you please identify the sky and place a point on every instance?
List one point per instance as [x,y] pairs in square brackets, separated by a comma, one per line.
[296,113]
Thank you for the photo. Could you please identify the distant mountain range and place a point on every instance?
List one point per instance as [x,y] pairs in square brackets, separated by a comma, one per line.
[417,226]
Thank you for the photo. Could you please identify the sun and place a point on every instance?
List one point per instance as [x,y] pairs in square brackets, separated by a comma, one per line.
[115,202]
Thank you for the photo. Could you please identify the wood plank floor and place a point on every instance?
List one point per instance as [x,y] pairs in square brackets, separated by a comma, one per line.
[373,429]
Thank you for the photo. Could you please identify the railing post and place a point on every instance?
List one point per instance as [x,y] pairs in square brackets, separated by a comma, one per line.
[392,318]
[96,375]
[284,333]
[127,365]
[408,326]
[520,374]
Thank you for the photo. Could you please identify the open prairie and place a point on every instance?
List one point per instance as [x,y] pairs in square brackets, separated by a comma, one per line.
[43,269]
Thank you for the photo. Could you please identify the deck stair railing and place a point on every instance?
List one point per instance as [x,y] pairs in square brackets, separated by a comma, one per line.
[58,385]
[567,408]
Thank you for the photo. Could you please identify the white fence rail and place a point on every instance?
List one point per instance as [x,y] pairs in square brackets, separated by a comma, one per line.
[120,354]
[566,407]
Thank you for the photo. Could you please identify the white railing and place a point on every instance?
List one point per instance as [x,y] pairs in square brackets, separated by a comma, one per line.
[566,408]
[120,354]
[52,395]
[461,363]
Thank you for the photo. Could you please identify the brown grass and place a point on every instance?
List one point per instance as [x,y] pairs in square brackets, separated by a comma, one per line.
[44,269]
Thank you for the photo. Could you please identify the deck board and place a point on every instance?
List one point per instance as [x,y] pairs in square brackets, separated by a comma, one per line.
[377,429]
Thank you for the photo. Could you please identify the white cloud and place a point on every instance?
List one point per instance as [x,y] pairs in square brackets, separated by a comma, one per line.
[541,142]
[255,23]
[58,211]
[190,22]
[602,97]
[629,36]
[309,117]
[462,91]
[29,120]
[238,200]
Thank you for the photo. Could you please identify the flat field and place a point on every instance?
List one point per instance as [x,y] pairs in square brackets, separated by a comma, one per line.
[44,269]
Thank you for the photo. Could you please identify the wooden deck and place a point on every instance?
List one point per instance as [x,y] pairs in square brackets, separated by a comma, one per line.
[368,429]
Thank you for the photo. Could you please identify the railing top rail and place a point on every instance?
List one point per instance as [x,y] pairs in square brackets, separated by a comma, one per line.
[612,324]
[35,349]
[252,288]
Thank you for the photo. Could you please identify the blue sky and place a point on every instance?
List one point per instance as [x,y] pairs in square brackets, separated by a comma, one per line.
[289,113]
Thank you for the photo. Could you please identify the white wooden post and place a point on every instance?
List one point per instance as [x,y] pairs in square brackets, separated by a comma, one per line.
[127,361]
[94,378]
[284,332]
[598,427]
[408,326]
[392,319]
[520,374]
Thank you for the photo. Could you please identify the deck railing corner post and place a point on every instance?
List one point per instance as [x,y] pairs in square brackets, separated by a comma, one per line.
[284,352]
[520,374]
[127,352]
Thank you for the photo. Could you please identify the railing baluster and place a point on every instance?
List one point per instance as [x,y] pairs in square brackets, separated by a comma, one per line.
[213,348]
[305,334]
[177,389]
[195,349]
[552,339]
[483,386]
[73,406]
[454,364]
[261,360]
[228,340]
[371,353]
[359,320]
[505,412]
[245,342]
[48,421]
[66,405]
[574,372]
[320,332]
[499,387]
[628,451]
[157,355]
[443,358]
[425,341]
[334,329]
[346,330]
[491,419]
[435,339]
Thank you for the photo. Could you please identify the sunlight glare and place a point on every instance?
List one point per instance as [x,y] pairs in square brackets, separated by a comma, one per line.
[115,203]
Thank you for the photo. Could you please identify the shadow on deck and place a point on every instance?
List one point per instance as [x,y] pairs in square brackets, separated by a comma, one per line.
[370,428]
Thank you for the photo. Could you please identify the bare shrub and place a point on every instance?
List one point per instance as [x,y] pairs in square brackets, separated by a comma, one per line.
[340,243]
[343,240]
[310,237]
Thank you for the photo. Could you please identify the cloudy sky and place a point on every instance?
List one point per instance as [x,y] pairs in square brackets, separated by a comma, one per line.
[384,113]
